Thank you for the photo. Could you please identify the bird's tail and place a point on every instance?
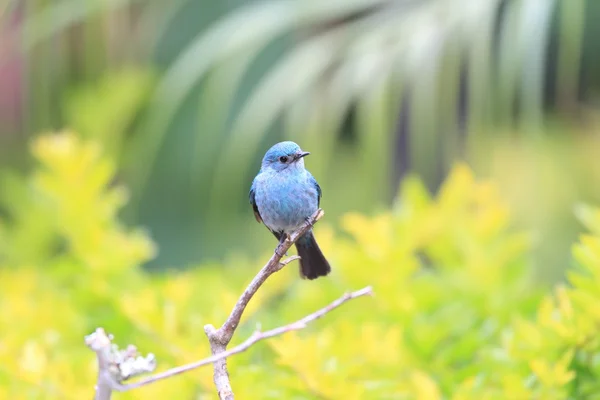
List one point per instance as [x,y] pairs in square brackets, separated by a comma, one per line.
[313,263]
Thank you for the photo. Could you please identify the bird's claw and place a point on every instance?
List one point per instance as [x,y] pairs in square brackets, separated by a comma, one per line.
[280,255]
[284,237]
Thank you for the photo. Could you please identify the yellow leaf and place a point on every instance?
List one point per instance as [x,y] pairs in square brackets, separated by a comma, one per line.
[456,188]
[33,361]
[424,387]
[562,374]
[564,302]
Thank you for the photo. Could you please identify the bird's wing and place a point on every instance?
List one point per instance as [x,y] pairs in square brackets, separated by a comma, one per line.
[252,198]
[314,182]
[253,203]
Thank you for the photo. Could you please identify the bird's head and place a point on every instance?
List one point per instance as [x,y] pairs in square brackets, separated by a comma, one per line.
[284,155]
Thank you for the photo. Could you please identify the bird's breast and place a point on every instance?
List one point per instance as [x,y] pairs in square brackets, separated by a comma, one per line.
[284,201]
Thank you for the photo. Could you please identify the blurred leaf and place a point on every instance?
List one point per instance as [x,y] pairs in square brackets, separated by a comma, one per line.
[105,110]
[59,15]
[248,29]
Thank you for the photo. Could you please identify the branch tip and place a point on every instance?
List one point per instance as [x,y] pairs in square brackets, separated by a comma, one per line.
[210,330]
[288,260]
[368,291]
[319,214]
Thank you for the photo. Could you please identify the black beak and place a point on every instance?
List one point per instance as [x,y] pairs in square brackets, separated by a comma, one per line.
[301,154]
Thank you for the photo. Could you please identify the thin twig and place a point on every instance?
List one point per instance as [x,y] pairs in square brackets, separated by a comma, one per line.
[102,345]
[116,366]
[255,337]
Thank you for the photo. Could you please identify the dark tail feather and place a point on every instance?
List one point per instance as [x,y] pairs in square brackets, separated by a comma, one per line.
[313,263]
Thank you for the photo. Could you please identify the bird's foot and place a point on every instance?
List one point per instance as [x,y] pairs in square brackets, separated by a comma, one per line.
[280,255]
[282,239]
[285,237]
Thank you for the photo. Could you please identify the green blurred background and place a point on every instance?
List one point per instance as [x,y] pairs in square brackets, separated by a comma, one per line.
[187,95]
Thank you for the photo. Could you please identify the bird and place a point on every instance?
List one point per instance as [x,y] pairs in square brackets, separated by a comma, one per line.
[283,196]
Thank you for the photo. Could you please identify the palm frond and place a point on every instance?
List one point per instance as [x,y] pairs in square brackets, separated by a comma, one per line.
[58,16]
[375,87]
[247,30]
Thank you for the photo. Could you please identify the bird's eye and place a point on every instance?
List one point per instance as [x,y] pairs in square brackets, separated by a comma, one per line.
[283,159]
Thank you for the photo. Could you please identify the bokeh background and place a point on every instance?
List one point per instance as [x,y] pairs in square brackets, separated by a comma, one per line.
[185,96]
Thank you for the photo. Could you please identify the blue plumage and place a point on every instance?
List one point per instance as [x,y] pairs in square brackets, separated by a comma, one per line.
[283,195]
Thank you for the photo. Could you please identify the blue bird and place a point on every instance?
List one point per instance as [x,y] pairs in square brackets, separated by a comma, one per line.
[283,195]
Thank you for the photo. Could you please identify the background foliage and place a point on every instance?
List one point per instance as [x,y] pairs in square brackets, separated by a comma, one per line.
[456,312]
[154,115]
[188,94]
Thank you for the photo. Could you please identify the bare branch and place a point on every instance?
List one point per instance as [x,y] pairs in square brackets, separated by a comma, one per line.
[101,343]
[115,365]
[226,331]
[220,338]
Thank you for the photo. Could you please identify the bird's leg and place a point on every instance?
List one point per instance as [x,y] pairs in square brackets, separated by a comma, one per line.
[282,239]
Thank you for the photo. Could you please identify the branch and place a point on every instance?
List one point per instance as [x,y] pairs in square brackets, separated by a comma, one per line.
[220,338]
[225,332]
[115,365]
